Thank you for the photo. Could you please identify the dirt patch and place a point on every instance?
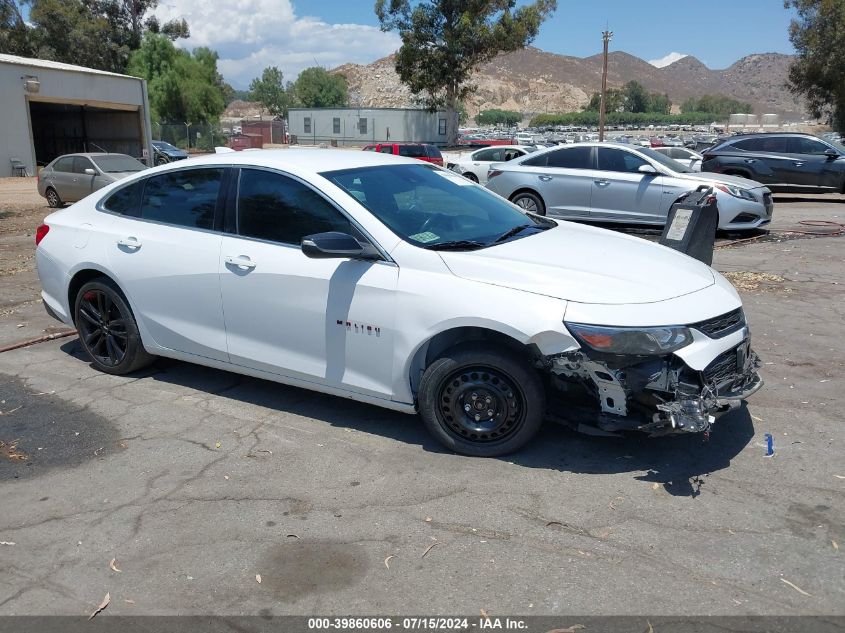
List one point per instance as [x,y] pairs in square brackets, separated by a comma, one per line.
[297,569]
[747,281]
[10,451]
[21,208]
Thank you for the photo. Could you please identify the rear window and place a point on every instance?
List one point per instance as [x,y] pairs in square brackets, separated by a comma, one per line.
[433,152]
[185,198]
[126,200]
[412,151]
[117,163]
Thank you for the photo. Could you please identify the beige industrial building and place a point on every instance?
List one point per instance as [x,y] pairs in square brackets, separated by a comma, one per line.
[51,108]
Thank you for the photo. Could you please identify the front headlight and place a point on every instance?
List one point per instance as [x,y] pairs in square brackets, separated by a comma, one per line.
[651,341]
[736,192]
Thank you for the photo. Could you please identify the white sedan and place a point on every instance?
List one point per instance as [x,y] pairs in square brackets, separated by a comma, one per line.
[687,157]
[401,284]
[475,165]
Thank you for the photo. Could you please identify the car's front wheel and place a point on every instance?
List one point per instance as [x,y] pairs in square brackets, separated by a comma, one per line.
[161,160]
[529,201]
[470,176]
[107,328]
[481,401]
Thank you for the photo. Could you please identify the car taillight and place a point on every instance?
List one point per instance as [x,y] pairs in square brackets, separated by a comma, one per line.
[40,232]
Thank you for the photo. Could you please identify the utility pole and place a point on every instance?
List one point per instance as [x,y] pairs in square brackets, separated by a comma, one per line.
[605,36]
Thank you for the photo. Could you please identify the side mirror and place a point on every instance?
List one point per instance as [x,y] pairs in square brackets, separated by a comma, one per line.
[831,153]
[336,245]
[90,172]
[646,169]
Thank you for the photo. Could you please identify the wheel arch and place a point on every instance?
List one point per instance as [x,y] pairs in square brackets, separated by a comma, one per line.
[82,277]
[530,190]
[431,349]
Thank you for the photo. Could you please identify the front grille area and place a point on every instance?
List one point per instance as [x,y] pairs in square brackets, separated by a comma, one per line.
[722,369]
[722,325]
[745,218]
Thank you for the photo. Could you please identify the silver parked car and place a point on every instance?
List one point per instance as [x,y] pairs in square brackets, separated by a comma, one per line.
[612,182]
[71,177]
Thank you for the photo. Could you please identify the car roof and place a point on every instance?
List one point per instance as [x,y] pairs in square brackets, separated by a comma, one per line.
[91,154]
[294,160]
[768,134]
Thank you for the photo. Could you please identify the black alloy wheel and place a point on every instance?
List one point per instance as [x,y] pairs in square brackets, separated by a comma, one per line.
[107,328]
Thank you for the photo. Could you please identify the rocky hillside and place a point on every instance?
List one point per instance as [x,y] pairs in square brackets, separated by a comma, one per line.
[532,81]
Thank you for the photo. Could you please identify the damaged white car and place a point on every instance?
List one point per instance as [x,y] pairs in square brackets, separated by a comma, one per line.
[400,284]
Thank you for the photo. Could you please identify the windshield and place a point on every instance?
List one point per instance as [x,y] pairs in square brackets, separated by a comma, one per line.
[164,145]
[664,160]
[837,145]
[117,163]
[435,208]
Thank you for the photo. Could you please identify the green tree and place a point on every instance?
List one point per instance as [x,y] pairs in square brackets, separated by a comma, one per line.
[615,101]
[13,30]
[95,33]
[317,88]
[183,87]
[716,105]
[659,103]
[818,35]
[636,97]
[496,117]
[444,41]
[270,91]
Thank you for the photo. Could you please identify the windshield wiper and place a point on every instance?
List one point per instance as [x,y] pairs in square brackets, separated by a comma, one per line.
[456,245]
[514,231]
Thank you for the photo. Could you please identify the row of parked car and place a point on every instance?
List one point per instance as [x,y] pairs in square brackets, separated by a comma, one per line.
[602,182]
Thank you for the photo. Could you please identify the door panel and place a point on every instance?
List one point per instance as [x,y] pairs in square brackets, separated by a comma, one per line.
[563,179]
[171,277]
[167,261]
[621,193]
[325,320]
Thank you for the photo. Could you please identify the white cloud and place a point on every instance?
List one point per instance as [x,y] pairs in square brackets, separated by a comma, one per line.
[250,35]
[668,59]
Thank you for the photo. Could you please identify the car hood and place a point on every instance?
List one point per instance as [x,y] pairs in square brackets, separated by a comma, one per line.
[585,264]
[722,178]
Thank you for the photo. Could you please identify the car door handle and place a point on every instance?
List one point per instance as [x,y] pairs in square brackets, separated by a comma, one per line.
[602,182]
[545,178]
[241,261]
[129,242]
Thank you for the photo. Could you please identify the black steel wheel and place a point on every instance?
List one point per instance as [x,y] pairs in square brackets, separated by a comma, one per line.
[481,401]
[162,160]
[107,328]
[530,202]
[53,198]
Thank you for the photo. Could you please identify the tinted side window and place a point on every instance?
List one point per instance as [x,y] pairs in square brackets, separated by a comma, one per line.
[537,161]
[775,144]
[64,164]
[488,155]
[277,208]
[572,158]
[802,145]
[619,160]
[185,198]
[433,152]
[127,200]
[80,164]
[386,149]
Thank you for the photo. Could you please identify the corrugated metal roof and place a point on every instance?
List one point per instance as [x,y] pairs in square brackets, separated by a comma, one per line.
[45,63]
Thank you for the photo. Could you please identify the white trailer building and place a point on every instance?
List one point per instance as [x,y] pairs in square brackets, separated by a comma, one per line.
[363,126]
[50,108]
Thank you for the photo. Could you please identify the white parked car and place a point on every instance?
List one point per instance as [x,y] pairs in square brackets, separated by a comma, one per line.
[687,157]
[401,284]
[475,165]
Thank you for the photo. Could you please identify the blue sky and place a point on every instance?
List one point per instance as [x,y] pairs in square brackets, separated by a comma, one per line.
[718,32]
[295,34]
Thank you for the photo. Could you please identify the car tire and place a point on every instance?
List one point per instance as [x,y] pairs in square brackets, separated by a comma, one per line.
[161,160]
[53,199]
[107,328]
[530,202]
[502,392]
[471,176]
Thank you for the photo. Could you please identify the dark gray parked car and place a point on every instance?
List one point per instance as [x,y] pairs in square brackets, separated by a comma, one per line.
[787,162]
[71,177]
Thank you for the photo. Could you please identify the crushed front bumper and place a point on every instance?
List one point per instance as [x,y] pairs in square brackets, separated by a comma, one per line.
[656,395]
